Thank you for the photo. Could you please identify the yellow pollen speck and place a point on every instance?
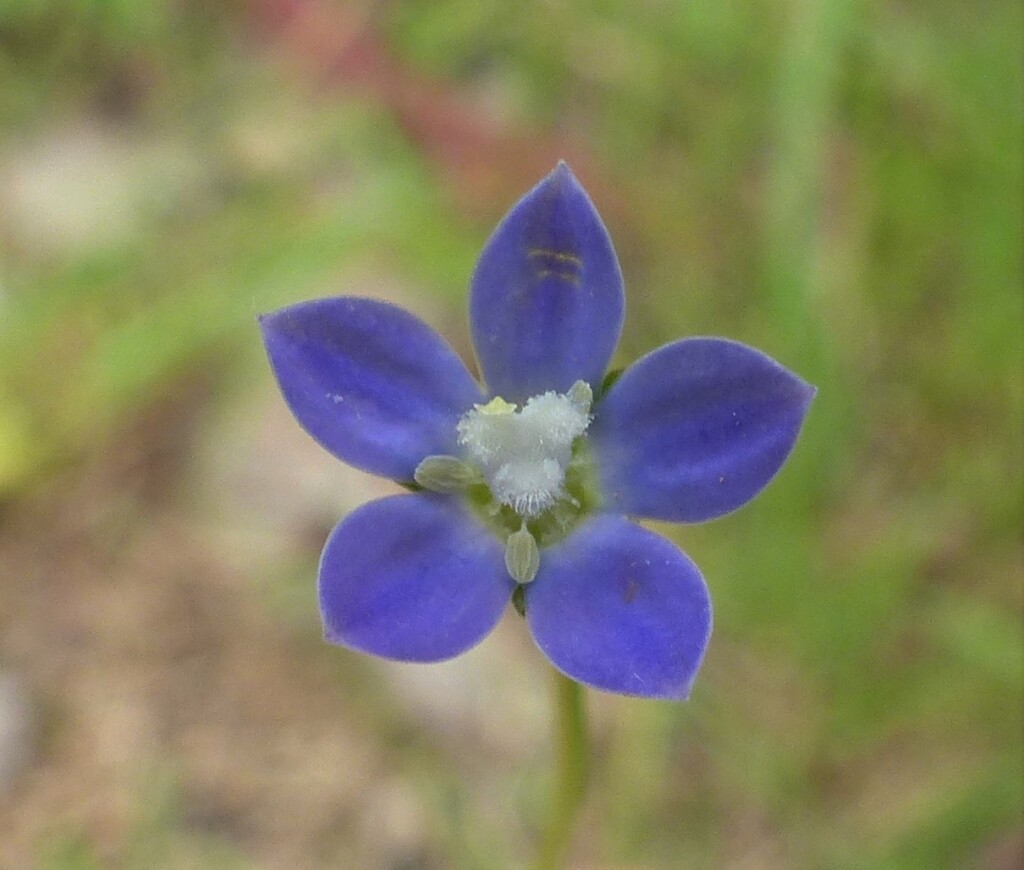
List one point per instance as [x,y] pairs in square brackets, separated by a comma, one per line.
[497,405]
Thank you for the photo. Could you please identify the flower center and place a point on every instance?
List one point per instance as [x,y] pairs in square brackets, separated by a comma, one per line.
[525,472]
[524,453]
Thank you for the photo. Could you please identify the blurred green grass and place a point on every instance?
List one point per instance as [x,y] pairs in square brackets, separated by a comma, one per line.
[837,182]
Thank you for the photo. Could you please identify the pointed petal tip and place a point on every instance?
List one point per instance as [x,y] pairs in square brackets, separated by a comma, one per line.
[562,170]
[277,320]
[563,177]
[265,323]
[805,395]
[672,694]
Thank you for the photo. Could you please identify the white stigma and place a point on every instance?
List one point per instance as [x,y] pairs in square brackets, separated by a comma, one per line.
[524,454]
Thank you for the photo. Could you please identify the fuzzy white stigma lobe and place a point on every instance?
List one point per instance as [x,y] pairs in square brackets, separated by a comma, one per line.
[523,454]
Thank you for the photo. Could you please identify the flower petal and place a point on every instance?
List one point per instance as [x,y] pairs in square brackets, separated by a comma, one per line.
[620,608]
[696,429]
[547,301]
[373,384]
[412,577]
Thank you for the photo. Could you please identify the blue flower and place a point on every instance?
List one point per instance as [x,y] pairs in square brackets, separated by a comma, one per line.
[525,488]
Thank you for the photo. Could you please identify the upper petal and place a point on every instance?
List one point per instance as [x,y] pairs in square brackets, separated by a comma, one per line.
[373,384]
[547,302]
[696,429]
[412,577]
[619,608]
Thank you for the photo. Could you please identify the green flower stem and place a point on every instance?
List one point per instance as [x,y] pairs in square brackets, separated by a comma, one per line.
[570,785]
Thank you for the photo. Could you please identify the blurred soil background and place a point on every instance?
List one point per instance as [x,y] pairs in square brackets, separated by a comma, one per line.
[838,182]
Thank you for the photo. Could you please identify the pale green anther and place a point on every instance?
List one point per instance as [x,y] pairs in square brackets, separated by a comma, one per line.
[445,474]
[522,556]
[581,396]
